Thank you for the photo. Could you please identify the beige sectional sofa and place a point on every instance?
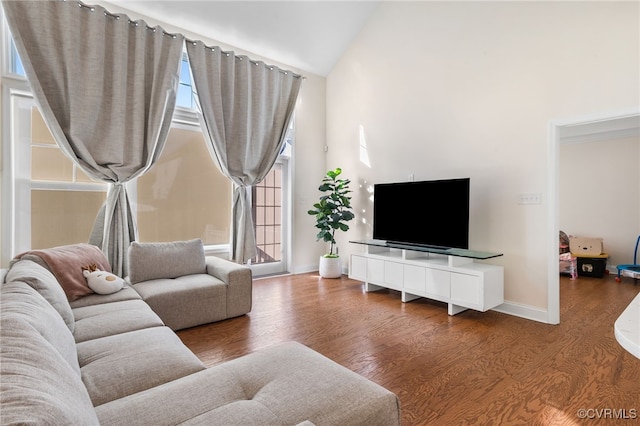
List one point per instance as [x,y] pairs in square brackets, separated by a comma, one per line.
[110,359]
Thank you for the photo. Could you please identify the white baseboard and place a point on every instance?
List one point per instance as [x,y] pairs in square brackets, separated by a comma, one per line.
[523,311]
[305,269]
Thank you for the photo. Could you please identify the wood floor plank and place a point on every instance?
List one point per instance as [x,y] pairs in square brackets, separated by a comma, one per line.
[473,368]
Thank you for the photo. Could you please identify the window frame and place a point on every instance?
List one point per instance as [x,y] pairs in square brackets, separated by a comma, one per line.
[17,183]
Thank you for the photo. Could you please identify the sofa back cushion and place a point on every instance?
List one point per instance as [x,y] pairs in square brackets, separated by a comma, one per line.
[38,386]
[150,261]
[23,303]
[43,281]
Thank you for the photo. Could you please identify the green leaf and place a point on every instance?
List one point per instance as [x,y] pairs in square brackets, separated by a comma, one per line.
[347,215]
[334,173]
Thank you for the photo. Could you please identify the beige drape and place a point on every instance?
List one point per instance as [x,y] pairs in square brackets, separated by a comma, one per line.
[245,108]
[106,87]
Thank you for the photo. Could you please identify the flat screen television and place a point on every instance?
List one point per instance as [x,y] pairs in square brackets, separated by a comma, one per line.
[432,213]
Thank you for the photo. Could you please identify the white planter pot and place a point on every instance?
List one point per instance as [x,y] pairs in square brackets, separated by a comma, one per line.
[330,267]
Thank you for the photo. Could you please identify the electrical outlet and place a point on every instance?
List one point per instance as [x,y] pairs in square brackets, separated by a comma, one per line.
[531,198]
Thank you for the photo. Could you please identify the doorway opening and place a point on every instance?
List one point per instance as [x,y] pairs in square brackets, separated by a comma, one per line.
[625,124]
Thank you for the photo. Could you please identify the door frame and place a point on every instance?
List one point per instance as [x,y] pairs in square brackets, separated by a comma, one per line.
[616,124]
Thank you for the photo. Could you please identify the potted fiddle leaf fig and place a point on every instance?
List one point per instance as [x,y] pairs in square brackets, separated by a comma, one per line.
[332,211]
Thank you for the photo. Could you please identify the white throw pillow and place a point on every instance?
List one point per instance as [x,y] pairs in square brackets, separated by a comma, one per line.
[103,282]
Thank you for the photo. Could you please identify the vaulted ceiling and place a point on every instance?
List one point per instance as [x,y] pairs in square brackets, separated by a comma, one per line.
[306,34]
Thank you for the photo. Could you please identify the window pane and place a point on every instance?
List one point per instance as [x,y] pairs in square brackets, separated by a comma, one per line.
[260,239]
[269,237]
[267,213]
[40,133]
[63,217]
[184,195]
[82,176]
[277,216]
[49,163]
[185,73]
[184,96]
[269,198]
[277,177]
[16,62]
[269,180]
[278,197]
[259,195]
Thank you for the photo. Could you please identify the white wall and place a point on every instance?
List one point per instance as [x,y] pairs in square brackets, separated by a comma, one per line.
[453,89]
[309,163]
[599,194]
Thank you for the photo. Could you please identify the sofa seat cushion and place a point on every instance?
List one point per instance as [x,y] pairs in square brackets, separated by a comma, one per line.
[119,365]
[186,301]
[43,281]
[22,302]
[127,293]
[106,319]
[285,384]
[38,386]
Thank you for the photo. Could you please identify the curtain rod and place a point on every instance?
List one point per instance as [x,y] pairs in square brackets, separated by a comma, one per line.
[242,57]
[131,21]
[175,35]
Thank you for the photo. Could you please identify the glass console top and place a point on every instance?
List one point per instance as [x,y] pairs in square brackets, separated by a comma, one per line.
[472,254]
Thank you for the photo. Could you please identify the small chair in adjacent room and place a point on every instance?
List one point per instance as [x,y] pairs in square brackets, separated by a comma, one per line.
[630,270]
[184,287]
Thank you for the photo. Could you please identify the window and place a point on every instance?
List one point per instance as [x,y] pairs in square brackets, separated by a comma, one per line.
[185,92]
[270,213]
[53,202]
[267,215]
[184,195]
[63,216]
[61,201]
[64,200]
[15,64]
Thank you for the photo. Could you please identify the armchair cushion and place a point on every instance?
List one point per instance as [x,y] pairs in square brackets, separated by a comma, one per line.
[150,261]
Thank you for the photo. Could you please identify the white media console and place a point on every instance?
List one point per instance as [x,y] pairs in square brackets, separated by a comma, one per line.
[446,275]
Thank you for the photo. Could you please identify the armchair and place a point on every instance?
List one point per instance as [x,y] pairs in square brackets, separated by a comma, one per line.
[184,287]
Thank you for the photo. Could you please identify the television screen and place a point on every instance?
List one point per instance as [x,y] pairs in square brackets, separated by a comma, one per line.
[429,213]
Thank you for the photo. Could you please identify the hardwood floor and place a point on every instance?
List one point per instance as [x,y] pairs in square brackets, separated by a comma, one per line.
[473,368]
